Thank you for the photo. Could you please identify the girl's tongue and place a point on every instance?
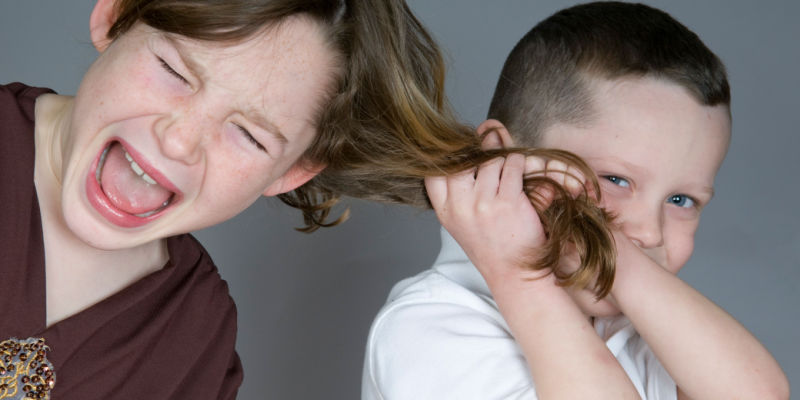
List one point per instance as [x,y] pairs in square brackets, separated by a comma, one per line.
[128,187]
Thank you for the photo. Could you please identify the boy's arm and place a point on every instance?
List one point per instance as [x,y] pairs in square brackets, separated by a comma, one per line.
[492,219]
[705,350]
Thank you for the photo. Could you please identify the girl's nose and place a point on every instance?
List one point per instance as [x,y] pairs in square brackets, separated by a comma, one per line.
[181,138]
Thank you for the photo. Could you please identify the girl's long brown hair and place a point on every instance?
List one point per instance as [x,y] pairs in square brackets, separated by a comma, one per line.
[387,124]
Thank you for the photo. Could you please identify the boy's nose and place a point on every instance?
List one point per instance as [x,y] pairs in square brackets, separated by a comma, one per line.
[644,227]
[181,138]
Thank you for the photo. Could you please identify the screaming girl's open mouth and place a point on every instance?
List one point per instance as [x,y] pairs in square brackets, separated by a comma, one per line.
[125,189]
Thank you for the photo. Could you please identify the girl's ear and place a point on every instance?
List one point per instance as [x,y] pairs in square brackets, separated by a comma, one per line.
[100,22]
[295,177]
[495,135]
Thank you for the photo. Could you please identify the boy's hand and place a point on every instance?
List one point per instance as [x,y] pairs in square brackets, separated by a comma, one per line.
[491,217]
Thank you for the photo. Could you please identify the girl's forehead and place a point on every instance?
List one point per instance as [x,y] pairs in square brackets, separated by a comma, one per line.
[294,34]
[280,75]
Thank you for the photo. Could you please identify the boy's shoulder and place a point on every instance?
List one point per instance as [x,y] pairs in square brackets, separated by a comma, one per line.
[431,337]
[451,285]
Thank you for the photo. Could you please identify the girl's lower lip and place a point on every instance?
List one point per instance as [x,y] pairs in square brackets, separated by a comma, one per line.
[100,202]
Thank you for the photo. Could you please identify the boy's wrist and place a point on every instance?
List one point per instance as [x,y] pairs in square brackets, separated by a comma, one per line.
[631,281]
[529,294]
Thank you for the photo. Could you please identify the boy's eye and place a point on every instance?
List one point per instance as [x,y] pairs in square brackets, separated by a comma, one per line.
[172,71]
[681,200]
[250,137]
[618,181]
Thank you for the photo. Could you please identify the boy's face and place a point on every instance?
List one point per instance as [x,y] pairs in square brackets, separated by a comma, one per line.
[656,151]
[169,135]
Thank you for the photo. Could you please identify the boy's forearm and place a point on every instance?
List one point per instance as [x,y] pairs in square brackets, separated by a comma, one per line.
[706,351]
[566,357]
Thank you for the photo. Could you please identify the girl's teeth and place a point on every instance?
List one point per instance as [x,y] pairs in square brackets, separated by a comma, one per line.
[138,170]
[149,213]
[148,179]
[100,165]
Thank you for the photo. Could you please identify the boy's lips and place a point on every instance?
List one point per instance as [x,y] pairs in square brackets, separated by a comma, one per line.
[134,192]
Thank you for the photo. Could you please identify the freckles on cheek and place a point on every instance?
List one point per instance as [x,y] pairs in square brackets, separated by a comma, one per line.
[246,176]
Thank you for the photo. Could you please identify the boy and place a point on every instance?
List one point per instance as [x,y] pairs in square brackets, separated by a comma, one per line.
[646,104]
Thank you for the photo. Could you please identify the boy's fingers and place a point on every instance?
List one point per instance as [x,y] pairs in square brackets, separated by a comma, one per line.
[511,178]
[557,171]
[461,183]
[575,181]
[534,164]
[437,190]
[543,195]
[488,178]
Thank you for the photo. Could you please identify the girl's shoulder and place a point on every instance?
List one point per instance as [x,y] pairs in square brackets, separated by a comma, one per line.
[17,101]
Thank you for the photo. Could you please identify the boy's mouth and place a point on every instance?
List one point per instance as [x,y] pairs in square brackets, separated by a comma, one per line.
[125,189]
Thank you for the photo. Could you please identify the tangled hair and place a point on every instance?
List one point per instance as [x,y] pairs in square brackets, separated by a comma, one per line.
[546,78]
[386,125]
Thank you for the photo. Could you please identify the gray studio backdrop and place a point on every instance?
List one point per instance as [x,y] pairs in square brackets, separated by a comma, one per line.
[306,301]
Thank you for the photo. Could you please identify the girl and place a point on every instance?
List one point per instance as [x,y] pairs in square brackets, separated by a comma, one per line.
[192,111]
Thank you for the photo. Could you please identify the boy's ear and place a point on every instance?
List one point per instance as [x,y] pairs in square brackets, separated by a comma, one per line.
[295,177]
[100,22]
[495,135]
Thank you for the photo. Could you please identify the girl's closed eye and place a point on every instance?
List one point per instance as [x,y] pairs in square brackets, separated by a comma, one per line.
[250,138]
[172,71]
[622,182]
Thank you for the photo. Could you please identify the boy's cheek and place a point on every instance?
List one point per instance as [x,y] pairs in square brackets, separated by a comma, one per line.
[678,246]
[682,253]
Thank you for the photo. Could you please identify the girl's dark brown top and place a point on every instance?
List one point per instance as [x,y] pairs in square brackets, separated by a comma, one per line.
[170,335]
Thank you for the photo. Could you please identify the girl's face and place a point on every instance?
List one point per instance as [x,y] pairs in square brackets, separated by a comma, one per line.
[168,135]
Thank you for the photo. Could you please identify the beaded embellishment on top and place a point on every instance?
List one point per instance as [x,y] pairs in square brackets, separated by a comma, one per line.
[25,372]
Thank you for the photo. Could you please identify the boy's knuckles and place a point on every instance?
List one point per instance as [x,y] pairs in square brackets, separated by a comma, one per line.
[556,166]
[534,164]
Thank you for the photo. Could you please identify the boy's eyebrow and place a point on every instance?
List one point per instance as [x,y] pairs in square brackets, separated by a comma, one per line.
[252,115]
[709,190]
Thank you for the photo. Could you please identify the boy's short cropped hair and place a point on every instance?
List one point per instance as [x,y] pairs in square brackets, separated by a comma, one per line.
[547,77]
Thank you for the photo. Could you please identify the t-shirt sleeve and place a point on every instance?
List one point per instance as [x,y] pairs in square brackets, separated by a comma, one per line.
[656,382]
[430,350]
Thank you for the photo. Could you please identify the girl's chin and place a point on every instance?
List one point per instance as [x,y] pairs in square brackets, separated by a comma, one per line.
[96,232]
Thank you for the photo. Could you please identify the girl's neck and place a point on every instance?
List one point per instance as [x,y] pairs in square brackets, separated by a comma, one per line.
[78,275]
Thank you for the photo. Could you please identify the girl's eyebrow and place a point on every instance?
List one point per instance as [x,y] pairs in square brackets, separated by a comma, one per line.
[254,116]
[261,120]
[184,55]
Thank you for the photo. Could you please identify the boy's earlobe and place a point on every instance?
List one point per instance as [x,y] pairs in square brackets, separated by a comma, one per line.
[296,176]
[100,22]
[494,134]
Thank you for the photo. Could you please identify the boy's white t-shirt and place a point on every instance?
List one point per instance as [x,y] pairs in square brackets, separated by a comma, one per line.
[441,336]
